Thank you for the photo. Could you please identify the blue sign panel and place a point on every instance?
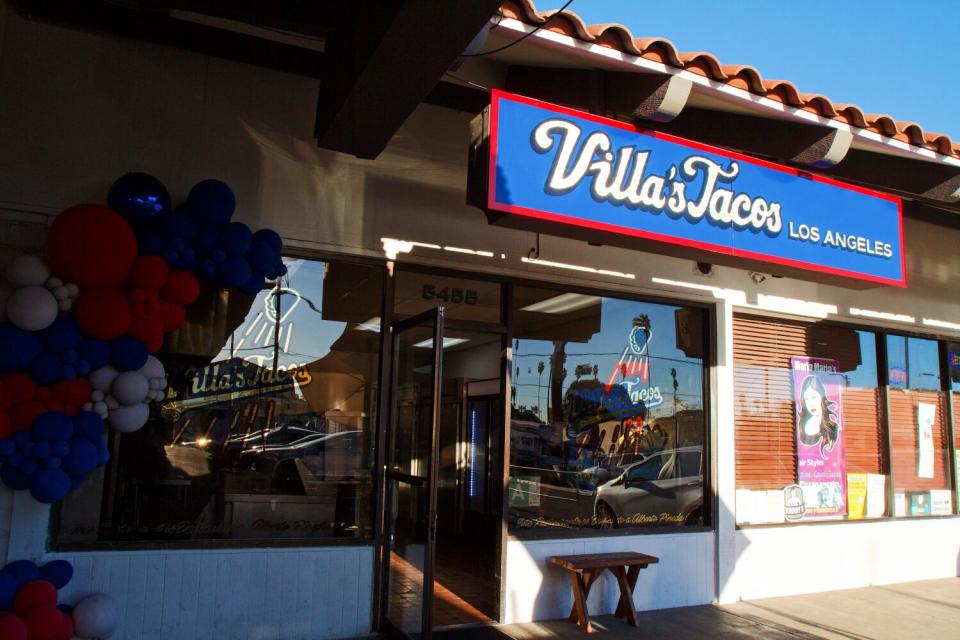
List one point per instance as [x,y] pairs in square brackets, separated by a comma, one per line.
[558,165]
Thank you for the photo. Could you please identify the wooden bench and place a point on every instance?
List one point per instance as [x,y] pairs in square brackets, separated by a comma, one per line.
[584,571]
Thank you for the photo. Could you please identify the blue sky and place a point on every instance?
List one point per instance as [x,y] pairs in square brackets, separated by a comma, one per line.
[888,57]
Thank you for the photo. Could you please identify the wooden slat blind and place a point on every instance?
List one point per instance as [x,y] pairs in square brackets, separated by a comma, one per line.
[764,419]
[903,429]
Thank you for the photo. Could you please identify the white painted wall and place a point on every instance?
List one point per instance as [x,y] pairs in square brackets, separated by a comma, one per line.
[781,561]
[535,590]
[249,594]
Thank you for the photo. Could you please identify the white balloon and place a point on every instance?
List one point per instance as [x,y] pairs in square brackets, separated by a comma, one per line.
[65,305]
[72,289]
[87,406]
[27,271]
[153,368]
[95,616]
[32,308]
[102,378]
[131,387]
[60,293]
[129,418]
[112,402]
[97,395]
[53,283]
[101,409]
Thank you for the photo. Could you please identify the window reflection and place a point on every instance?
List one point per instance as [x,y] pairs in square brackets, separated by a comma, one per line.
[604,391]
[266,430]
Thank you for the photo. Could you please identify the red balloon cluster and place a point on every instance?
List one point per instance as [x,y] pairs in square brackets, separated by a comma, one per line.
[91,245]
[22,401]
[35,615]
[145,311]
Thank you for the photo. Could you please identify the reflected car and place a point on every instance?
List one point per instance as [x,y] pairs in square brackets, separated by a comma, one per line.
[297,467]
[664,488]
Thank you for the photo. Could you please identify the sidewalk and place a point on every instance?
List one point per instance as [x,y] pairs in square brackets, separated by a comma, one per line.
[909,611]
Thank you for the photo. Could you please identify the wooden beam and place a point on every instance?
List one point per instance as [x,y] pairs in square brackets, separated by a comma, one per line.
[629,96]
[931,180]
[787,142]
[383,61]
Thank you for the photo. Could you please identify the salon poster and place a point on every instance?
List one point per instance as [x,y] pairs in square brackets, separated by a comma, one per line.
[821,465]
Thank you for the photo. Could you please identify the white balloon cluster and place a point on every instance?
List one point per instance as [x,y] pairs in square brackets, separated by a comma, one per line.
[122,399]
[36,298]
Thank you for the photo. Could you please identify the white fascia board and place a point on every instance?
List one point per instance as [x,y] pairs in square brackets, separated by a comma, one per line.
[510,28]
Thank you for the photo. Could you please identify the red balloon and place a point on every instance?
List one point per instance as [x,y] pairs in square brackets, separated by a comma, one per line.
[174,317]
[181,288]
[147,329]
[5,398]
[66,628]
[12,627]
[21,387]
[74,392]
[91,245]
[43,623]
[36,593]
[23,414]
[6,426]
[150,272]
[103,313]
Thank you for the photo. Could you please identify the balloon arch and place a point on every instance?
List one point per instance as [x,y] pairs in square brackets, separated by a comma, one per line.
[78,328]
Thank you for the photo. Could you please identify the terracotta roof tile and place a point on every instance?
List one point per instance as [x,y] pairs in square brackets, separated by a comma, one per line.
[619,37]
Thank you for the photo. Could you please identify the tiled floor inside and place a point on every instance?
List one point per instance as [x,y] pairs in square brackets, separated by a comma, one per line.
[460,594]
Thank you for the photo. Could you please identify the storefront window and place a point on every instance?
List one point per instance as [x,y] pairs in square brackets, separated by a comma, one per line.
[267,429]
[809,427]
[918,428]
[608,424]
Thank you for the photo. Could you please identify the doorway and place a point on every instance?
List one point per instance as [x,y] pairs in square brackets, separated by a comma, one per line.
[442,524]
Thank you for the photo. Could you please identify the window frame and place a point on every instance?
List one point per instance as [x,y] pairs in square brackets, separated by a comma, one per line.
[881,333]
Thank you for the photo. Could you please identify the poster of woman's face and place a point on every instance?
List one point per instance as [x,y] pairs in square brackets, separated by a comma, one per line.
[821,464]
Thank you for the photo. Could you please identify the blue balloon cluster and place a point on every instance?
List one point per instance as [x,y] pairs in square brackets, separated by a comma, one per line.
[54,457]
[63,352]
[199,237]
[139,197]
[19,572]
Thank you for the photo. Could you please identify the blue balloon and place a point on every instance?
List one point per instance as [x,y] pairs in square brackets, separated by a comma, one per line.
[271,238]
[45,368]
[254,284]
[139,197]
[260,256]
[234,272]
[60,448]
[211,202]
[96,353]
[53,462]
[70,356]
[9,585]
[206,240]
[13,477]
[281,269]
[180,224]
[57,572]
[104,457]
[68,372]
[29,467]
[7,447]
[62,335]
[52,426]
[18,348]
[49,485]
[23,571]
[128,354]
[22,438]
[86,425]
[151,244]
[236,238]
[41,450]
[82,459]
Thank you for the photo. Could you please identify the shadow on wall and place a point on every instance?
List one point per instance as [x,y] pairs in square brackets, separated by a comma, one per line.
[686,574]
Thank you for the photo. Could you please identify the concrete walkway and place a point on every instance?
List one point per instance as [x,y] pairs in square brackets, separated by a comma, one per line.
[909,611]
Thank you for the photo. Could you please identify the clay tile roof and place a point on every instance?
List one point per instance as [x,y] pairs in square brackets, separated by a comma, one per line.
[619,37]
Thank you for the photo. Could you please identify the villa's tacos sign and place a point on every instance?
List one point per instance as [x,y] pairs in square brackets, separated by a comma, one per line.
[571,170]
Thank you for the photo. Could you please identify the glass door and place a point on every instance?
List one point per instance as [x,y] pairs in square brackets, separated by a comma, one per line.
[410,476]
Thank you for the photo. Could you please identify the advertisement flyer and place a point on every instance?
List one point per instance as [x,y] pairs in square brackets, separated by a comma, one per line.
[926,415]
[856,495]
[821,463]
[876,495]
